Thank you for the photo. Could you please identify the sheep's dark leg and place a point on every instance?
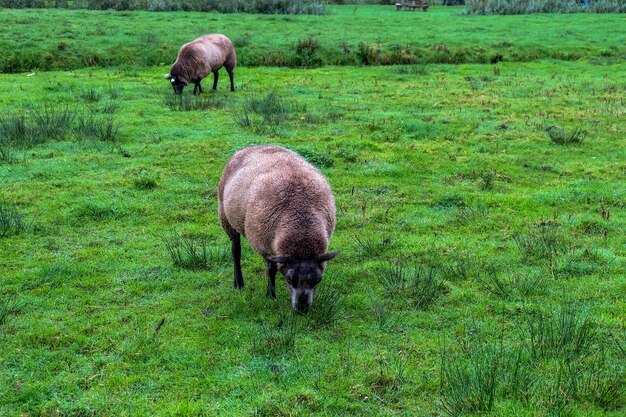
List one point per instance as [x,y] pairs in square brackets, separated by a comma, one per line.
[271,269]
[231,75]
[200,88]
[215,77]
[195,89]
[236,246]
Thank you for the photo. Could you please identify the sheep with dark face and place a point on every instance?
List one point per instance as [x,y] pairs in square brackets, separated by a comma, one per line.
[201,57]
[284,207]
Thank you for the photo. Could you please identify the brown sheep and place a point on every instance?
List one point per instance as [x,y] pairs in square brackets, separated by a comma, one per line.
[199,58]
[284,207]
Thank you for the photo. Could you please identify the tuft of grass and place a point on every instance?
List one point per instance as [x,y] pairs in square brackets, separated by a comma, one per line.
[372,247]
[461,267]
[420,285]
[561,136]
[568,333]
[471,382]
[277,340]
[469,214]
[510,285]
[54,121]
[194,253]
[144,179]
[487,180]
[327,308]
[11,220]
[98,210]
[99,128]
[389,380]
[265,115]
[542,244]
[91,94]
[318,158]
[9,306]
[189,102]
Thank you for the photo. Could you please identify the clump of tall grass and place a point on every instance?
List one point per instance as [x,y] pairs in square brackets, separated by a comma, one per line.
[327,307]
[542,244]
[277,339]
[511,7]
[318,158]
[98,127]
[510,285]
[388,379]
[420,285]
[561,136]
[194,253]
[472,381]
[265,115]
[567,333]
[471,213]
[55,122]
[91,94]
[188,102]
[11,220]
[8,306]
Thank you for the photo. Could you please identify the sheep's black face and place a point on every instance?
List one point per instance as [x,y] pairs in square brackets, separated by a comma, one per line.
[177,84]
[302,276]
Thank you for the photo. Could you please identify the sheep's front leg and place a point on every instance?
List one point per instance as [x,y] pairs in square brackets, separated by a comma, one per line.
[271,269]
[215,77]
[236,248]
[195,89]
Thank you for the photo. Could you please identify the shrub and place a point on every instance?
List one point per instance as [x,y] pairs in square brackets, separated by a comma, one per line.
[232,6]
[307,53]
[507,7]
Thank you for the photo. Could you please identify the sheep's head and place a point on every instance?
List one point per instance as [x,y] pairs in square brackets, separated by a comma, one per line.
[178,83]
[302,276]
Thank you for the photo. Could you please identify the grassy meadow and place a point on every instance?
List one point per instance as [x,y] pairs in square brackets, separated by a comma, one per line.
[348,35]
[481,214]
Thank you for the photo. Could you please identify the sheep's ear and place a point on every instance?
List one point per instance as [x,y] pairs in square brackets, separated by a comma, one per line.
[279,259]
[168,75]
[328,256]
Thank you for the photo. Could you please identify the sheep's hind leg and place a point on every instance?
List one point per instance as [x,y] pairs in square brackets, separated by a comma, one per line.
[236,247]
[231,75]
[195,88]
[271,269]
[215,77]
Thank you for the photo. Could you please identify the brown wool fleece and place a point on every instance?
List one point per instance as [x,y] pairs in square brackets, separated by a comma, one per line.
[278,201]
[199,58]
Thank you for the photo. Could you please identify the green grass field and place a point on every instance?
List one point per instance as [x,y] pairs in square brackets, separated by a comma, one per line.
[481,214]
[70,39]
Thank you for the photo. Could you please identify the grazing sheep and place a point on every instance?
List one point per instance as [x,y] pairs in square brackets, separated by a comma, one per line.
[199,58]
[285,209]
